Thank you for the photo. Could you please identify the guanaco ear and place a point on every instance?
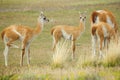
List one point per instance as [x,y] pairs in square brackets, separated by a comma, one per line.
[85,12]
[80,13]
[41,13]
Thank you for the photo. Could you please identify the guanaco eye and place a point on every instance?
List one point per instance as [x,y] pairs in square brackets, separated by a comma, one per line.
[44,18]
[80,17]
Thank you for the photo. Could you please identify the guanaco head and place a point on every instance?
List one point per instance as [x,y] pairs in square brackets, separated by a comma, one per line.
[82,16]
[42,18]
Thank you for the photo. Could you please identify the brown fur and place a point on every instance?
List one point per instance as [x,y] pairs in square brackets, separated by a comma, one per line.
[2,34]
[23,33]
[97,30]
[75,31]
[94,16]
[52,30]
[103,16]
[94,30]
[71,31]
[23,30]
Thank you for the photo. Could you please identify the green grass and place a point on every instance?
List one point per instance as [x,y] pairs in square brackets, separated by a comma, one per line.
[46,73]
[59,12]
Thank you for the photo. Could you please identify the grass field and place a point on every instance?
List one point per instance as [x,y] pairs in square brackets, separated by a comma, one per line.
[59,12]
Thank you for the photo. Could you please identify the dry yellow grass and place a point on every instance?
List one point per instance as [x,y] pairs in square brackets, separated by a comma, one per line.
[61,53]
[111,57]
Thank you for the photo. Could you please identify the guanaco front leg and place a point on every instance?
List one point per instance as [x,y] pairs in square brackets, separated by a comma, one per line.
[23,51]
[22,55]
[73,49]
[6,54]
[28,53]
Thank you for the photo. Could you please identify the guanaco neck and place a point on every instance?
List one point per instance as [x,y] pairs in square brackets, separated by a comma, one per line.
[39,27]
[82,26]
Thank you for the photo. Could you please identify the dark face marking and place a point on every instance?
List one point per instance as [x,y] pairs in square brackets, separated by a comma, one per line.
[43,17]
[82,18]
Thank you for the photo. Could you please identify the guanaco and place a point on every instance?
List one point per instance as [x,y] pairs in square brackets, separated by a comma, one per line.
[24,34]
[68,32]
